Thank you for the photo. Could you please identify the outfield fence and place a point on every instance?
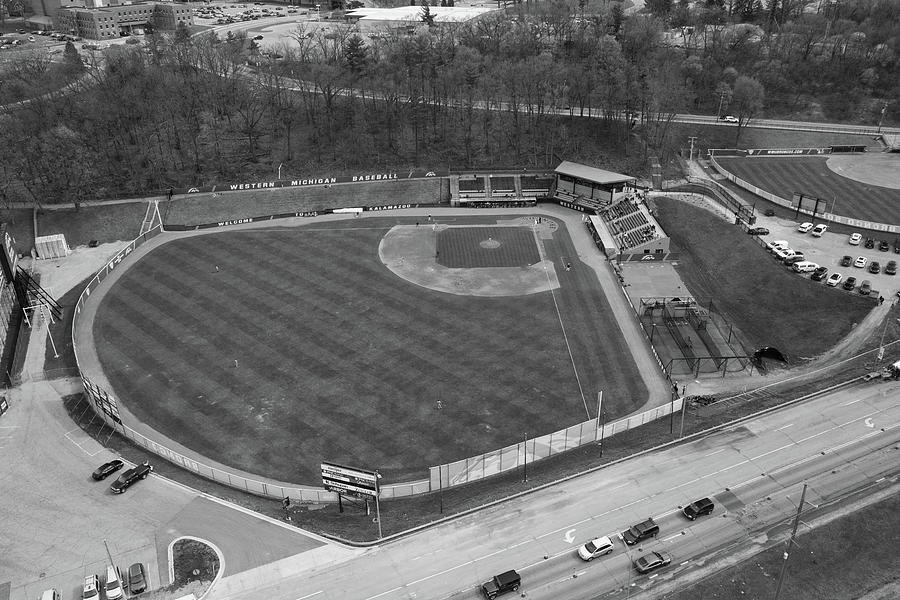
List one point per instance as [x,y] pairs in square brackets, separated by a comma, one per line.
[448,475]
[528,451]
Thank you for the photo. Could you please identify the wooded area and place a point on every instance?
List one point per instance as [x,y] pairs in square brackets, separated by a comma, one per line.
[182,110]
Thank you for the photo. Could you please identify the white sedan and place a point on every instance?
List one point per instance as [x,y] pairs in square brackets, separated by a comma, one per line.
[834,279]
[861,262]
[855,239]
[805,227]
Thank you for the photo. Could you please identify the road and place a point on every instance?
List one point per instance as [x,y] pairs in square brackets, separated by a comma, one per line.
[753,471]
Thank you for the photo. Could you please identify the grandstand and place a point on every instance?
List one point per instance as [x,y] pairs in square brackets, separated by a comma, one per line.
[499,189]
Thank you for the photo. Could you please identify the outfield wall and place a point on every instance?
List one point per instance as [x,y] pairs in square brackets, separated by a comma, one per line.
[456,473]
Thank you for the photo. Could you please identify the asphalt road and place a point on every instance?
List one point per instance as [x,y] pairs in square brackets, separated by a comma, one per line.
[754,472]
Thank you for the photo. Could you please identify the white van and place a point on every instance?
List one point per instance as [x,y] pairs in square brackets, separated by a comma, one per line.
[805,266]
[113,583]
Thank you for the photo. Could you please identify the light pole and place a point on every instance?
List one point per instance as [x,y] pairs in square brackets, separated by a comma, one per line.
[881,120]
[525,458]
[600,422]
[440,406]
[377,504]
[279,170]
[721,101]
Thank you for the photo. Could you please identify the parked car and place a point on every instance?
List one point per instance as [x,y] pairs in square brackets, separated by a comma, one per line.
[834,279]
[846,261]
[884,246]
[651,561]
[865,288]
[860,262]
[770,212]
[804,266]
[897,246]
[594,548]
[698,508]
[850,284]
[855,239]
[783,253]
[874,267]
[805,227]
[137,579]
[91,588]
[130,476]
[776,245]
[758,231]
[891,268]
[640,532]
[107,469]
[502,583]
[792,260]
[51,594]
[819,230]
[870,243]
[820,274]
[113,583]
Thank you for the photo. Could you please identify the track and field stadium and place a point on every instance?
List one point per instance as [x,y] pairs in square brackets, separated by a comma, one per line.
[381,342]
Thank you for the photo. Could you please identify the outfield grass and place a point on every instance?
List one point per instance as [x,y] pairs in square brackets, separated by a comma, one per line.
[770,305]
[810,175]
[339,360]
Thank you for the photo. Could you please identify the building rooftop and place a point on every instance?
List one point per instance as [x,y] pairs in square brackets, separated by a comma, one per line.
[592,174]
[441,14]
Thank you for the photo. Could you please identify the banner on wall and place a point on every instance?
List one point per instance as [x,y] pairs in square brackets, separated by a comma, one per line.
[322,180]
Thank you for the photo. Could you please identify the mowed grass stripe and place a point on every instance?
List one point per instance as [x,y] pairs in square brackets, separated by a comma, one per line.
[241,428]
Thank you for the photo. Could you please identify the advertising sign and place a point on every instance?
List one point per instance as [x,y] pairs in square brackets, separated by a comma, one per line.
[349,481]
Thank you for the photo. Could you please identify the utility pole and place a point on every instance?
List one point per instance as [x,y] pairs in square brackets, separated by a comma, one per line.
[787,551]
[525,458]
[600,422]
[692,139]
[721,101]
[881,120]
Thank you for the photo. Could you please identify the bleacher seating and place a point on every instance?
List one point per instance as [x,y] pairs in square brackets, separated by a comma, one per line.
[503,185]
[475,185]
[628,224]
[536,185]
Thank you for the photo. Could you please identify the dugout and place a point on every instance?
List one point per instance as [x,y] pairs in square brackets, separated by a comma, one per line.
[591,188]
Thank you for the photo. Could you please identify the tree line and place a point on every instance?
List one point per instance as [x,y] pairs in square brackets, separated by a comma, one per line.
[507,89]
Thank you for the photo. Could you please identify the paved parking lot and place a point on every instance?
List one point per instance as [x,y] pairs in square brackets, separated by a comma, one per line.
[827,251]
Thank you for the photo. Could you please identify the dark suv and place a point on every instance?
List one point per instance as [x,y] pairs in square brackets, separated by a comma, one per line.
[701,507]
[502,583]
[130,476]
[640,532]
[820,274]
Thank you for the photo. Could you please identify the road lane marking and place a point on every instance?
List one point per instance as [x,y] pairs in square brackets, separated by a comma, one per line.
[672,537]
[310,595]
[785,427]
[714,453]
[852,402]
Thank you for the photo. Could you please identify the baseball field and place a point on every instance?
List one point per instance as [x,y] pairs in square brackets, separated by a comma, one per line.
[821,177]
[373,342]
